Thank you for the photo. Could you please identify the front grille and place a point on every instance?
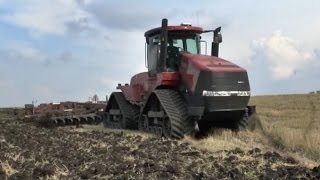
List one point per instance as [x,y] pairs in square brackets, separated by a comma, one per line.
[222,81]
[226,102]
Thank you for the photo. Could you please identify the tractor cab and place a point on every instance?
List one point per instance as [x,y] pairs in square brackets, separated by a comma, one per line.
[180,42]
[164,45]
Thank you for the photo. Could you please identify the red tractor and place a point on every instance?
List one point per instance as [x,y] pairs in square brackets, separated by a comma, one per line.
[183,91]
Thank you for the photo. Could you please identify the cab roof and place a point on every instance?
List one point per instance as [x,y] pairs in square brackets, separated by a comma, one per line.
[185,28]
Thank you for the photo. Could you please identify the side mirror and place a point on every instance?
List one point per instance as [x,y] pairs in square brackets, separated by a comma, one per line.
[218,38]
[147,40]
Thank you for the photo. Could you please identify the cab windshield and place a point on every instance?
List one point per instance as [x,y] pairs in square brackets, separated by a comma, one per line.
[185,42]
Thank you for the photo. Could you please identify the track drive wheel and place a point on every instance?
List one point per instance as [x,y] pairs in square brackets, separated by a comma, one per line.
[120,113]
[166,127]
[143,123]
[247,122]
[106,120]
[242,123]
[174,123]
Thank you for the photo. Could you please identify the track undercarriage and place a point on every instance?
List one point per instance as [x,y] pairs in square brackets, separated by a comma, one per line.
[121,114]
[166,114]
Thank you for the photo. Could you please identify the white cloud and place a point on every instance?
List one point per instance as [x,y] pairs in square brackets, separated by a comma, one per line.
[283,54]
[46,16]
[17,51]
[25,51]
[31,53]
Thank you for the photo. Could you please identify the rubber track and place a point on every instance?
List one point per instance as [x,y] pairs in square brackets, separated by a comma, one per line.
[128,110]
[243,122]
[177,111]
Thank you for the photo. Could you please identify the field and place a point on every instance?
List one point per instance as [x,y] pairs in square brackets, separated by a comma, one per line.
[285,145]
[292,123]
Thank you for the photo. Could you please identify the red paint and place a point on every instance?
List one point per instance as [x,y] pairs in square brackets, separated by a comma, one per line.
[211,63]
[142,84]
[168,79]
[192,65]
[189,74]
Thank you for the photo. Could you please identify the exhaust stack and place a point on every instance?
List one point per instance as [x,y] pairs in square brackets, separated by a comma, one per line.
[163,45]
[217,39]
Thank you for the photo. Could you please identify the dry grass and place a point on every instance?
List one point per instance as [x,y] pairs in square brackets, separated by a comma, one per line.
[11,113]
[228,140]
[7,169]
[291,122]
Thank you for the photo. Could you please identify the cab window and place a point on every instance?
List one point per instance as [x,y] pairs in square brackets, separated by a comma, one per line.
[192,46]
[185,42]
[153,53]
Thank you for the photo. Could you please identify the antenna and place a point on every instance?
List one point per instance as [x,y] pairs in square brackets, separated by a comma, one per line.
[197,18]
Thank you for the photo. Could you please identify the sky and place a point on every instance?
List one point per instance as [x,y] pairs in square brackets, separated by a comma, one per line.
[59,50]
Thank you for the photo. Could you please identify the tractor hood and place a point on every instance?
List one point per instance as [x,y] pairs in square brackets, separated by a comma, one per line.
[220,84]
[211,63]
[208,73]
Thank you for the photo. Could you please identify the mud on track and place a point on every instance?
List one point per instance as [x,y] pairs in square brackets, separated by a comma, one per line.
[30,152]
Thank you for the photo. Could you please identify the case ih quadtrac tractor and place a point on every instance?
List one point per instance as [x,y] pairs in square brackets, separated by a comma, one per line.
[183,91]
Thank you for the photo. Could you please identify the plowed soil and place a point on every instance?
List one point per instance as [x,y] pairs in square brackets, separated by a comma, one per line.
[31,152]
